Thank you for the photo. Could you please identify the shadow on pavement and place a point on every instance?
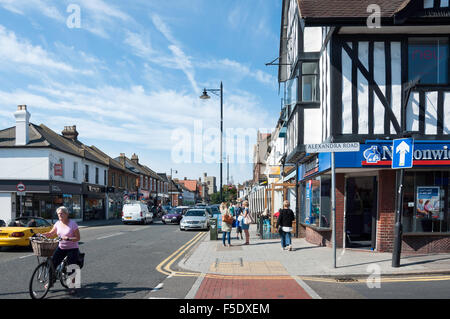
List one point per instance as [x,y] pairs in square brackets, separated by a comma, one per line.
[99,290]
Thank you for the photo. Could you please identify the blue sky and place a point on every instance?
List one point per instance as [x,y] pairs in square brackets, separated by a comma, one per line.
[131,75]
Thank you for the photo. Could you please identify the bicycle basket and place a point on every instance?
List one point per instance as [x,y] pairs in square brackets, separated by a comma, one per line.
[44,248]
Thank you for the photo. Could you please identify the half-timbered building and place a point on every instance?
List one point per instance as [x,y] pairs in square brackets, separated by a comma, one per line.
[369,72]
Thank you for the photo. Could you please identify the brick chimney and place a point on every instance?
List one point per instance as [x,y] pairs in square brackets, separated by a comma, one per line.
[70,132]
[122,159]
[135,159]
[22,125]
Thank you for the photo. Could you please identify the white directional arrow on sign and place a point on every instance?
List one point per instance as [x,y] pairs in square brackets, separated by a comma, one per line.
[402,148]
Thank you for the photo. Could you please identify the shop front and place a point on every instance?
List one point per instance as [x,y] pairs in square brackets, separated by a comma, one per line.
[94,202]
[365,198]
[42,198]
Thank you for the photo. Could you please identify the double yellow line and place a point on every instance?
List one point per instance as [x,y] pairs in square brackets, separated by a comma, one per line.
[164,266]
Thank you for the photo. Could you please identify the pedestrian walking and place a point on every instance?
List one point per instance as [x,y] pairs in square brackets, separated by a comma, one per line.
[246,222]
[227,222]
[238,220]
[284,225]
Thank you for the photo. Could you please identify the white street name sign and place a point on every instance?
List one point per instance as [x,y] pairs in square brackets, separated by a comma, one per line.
[332,147]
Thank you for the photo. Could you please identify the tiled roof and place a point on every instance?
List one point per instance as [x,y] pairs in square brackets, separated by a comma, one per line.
[348,8]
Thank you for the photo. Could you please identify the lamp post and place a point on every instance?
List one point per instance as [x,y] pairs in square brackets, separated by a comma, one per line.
[171,180]
[205,96]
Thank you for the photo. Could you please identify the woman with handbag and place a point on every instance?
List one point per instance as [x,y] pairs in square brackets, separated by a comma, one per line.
[246,222]
[227,222]
[284,225]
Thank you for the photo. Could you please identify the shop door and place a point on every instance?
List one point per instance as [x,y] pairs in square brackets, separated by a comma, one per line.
[361,212]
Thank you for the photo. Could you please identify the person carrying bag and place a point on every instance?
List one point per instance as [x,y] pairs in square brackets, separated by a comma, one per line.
[284,225]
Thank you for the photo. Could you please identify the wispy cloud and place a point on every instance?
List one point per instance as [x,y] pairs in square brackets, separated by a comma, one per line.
[18,52]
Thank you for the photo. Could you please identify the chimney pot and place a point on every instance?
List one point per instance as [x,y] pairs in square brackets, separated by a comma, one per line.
[70,132]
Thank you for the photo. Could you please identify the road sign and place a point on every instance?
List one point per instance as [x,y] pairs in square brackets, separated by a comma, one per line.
[402,155]
[332,147]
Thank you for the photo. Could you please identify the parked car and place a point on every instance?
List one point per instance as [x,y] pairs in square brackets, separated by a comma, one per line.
[2,223]
[196,218]
[183,209]
[19,231]
[136,212]
[174,216]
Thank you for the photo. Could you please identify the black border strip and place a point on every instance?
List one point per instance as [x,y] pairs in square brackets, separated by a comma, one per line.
[371,89]
[440,113]
[388,65]
[336,88]
[355,124]
[422,112]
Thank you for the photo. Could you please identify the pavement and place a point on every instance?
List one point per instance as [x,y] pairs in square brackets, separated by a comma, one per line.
[262,270]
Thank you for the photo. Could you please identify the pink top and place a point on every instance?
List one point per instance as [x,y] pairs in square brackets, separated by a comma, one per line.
[66,231]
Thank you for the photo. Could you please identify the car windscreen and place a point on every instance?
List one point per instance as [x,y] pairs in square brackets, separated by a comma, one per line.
[196,213]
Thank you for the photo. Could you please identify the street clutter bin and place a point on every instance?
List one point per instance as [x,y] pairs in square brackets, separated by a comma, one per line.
[213,229]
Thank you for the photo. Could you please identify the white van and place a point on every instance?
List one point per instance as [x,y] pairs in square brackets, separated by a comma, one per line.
[136,212]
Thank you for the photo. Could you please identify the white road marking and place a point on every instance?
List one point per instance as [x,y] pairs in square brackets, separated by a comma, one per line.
[26,256]
[109,236]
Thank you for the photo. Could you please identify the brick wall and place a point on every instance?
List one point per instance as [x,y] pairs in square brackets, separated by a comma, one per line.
[414,244]
[340,205]
[386,210]
[320,238]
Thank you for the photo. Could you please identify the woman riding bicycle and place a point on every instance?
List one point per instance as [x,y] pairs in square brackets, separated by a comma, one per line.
[69,233]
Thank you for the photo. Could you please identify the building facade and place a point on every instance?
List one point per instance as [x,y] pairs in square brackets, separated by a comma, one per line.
[55,169]
[347,80]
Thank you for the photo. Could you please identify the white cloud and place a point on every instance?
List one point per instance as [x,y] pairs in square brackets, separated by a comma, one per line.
[240,70]
[22,7]
[22,52]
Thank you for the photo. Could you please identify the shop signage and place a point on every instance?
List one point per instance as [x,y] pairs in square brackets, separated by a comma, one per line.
[332,147]
[423,154]
[94,189]
[21,189]
[274,172]
[58,169]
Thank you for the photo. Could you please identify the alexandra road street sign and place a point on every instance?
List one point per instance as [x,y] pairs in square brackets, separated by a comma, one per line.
[332,147]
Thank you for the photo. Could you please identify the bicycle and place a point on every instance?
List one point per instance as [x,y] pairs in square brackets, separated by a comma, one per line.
[45,275]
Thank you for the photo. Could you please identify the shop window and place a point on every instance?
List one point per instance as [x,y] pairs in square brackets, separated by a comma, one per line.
[426,202]
[96,176]
[315,202]
[428,60]
[75,171]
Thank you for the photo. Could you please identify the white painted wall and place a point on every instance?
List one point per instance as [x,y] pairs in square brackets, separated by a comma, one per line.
[68,162]
[396,66]
[346,92]
[24,163]
[313,126]
[446,113]
[412,113]
[312,37]
[379,73]
[431,104]
[92,167]
[6,211]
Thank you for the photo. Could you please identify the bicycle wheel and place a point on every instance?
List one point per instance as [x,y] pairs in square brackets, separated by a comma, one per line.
[63,277]
[40,281]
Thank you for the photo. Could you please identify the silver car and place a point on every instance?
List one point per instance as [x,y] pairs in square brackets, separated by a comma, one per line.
[196,218]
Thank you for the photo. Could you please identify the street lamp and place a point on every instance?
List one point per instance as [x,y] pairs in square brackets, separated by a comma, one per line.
[171,180]
[205,96]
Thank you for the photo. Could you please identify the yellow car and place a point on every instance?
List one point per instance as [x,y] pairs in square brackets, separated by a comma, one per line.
[19,231]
